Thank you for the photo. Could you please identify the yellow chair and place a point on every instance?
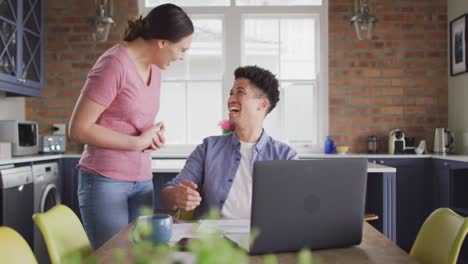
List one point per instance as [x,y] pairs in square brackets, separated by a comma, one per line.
[440,238]
[63,233]
[13,248]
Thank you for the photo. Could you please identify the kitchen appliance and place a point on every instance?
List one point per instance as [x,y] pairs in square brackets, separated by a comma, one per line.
[17,201]
[409,145]
[443,140]
[396,142]
[53,144]
[23,136]
[46,196]
[5,150]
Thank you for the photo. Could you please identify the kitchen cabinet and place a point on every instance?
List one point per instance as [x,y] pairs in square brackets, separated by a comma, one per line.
[22,46]
[69,184]
[414,197]
[450,179]
[159,180]
[381,200]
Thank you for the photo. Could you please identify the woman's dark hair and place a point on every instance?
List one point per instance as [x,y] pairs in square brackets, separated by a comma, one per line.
[263,79]
[166,21]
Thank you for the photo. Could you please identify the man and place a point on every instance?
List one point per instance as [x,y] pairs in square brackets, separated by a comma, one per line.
[223,165]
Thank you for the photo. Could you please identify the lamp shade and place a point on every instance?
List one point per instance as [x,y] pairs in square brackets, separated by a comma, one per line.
[101,25]
[102,28]
[363,22]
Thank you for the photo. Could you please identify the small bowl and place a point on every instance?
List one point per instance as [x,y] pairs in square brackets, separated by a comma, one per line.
[342,149]
[419,151]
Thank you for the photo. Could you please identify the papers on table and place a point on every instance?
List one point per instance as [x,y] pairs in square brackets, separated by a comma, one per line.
[183,230]
[224,226]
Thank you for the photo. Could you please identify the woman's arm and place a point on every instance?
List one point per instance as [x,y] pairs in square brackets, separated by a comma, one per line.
[83,129]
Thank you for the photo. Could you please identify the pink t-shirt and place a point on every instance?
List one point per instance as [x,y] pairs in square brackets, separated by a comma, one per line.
[131,108]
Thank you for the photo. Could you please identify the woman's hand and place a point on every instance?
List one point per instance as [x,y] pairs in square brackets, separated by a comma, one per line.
[152,138]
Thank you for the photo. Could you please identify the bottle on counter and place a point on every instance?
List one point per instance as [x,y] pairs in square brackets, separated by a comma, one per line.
[329,147]
[372,144]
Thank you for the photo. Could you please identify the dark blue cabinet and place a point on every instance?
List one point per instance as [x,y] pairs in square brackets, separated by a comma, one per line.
[22,46]
[414,196]
[159,180]
[69,184]
[450,181]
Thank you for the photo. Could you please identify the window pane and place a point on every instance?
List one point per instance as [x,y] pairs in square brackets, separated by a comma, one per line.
[273,121]
[297,49]
[205,55]
[176,71]
[261,48]
[300,112]
[204,110]
[278,2]
[173,112]
[151,3]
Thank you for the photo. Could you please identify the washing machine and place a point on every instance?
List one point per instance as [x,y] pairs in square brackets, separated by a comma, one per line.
[46,195]
[16,200]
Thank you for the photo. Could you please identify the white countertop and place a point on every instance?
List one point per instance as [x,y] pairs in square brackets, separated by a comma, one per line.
[38,157]
[173,163]
[378,168]
[174,166]
[367,156]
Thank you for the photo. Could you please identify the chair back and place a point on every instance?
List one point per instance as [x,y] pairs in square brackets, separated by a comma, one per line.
[440,238]
[63,233]
[13,248]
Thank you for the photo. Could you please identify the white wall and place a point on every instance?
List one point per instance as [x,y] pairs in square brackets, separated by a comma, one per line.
[11,107]
[458,89]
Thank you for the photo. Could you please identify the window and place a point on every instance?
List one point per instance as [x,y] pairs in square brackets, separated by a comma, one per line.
[288,38]
[189,84]
[185,3]
[278,2]
[285,45]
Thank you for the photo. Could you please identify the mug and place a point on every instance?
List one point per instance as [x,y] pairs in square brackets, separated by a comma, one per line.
[157,228]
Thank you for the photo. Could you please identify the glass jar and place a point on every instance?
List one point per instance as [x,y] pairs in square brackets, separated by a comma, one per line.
[372,144]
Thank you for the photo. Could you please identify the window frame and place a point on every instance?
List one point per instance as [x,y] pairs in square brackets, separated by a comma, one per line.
[232,23]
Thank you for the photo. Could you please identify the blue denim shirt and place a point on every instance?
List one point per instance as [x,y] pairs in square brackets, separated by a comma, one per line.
[214,163]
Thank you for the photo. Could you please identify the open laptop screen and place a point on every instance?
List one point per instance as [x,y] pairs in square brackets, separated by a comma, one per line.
[314,204]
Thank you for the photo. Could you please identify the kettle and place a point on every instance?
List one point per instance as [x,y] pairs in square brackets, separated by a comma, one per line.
[443,140]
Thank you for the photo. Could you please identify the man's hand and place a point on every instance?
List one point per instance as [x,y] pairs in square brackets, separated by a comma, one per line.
[186,196]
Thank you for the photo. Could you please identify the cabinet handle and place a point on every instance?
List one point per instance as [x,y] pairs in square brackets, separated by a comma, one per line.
[446,164]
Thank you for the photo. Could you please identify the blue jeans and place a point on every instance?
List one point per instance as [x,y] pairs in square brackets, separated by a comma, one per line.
[108,205]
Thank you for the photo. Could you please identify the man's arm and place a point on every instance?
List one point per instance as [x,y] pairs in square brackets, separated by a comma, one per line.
[292,154]
[182,192]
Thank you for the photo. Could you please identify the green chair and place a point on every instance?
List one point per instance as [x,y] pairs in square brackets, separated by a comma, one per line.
[63,233]
[13,248]
[440,238]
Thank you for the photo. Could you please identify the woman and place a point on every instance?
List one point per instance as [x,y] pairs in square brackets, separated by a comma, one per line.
[114,117]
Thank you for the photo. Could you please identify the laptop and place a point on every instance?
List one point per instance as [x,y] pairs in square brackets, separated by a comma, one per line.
[315,204]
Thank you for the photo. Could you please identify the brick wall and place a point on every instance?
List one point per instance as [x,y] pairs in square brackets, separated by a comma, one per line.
[70,54]
[397,80]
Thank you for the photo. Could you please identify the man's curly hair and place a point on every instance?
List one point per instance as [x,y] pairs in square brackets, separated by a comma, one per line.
[263,80]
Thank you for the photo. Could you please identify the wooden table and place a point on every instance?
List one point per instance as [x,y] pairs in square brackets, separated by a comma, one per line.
[375,248]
